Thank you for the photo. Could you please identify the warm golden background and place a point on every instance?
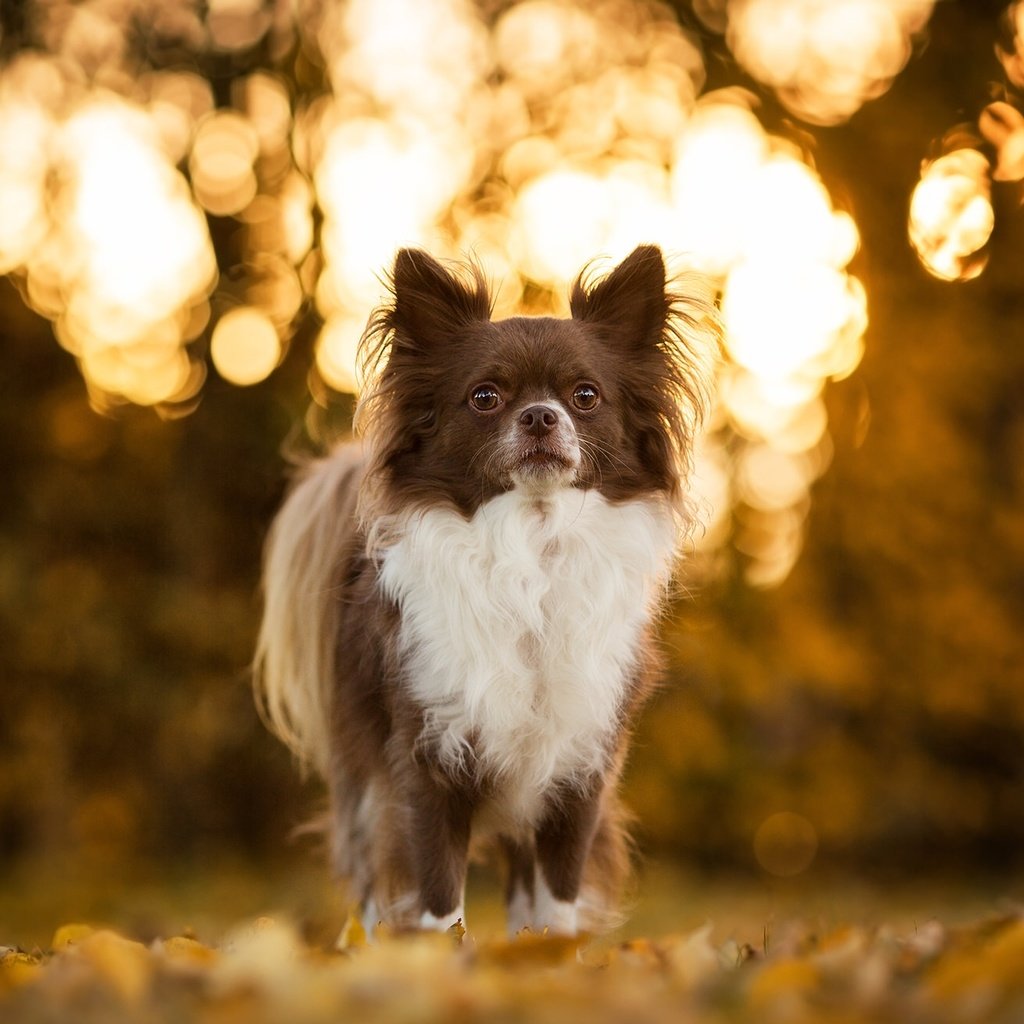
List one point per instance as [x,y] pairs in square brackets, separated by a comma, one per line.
[196,200]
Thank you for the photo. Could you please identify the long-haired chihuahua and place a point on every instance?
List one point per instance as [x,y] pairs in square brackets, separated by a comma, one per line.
[458,611]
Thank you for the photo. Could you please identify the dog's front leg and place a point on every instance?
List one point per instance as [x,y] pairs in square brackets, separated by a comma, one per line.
[564,838]
[441,819]
[521,867]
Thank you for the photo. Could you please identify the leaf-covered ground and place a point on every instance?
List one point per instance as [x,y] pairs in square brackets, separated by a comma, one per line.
[263,971]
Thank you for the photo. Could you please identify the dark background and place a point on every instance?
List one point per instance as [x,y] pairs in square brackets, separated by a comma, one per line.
[877,692]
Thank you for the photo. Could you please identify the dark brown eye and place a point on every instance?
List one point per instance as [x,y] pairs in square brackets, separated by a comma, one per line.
[485,398]
[585,397]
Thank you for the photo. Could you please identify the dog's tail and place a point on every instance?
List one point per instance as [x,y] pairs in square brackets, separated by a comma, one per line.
[296,653]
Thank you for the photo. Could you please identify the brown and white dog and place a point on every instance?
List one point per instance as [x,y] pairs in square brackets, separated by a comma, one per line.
[458,614]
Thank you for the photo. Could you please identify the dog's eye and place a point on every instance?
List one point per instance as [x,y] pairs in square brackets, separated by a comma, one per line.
[585,397]
[485,398]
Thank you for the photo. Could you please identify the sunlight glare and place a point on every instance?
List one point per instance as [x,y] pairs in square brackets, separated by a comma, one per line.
[221,162]
[336,351]
[245,347]
[951,216]
[380,188]
[1012,57]
[718,155]
[538,137]
[782,318]
[825,58]
[127,254]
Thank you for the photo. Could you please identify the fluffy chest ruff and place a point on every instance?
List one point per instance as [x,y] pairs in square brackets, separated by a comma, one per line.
[521,630]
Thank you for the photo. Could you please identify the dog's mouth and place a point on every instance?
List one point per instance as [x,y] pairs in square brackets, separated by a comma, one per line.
[540,463]
[544,466]
[542,457]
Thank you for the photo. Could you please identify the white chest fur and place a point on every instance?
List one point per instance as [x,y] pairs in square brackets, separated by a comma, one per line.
[519,629]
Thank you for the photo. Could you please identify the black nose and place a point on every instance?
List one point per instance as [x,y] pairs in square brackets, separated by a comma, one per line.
[538,419]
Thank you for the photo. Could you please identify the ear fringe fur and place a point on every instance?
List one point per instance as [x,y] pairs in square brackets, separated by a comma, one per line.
[692,341]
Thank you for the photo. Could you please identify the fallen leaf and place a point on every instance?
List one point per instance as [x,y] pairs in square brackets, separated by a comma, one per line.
[17,969]
[783,982]
[70,934]
[182,951]
[353,935]
[693,959]
[528,949]
[124,964]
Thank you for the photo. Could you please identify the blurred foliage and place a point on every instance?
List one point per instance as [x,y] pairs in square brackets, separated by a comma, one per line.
[868,713]
[264,971]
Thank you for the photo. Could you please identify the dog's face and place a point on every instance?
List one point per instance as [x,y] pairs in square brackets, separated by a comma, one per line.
[468,408]
[522,413]
[530,403]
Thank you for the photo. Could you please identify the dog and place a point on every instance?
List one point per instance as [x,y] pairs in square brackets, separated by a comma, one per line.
[458,611]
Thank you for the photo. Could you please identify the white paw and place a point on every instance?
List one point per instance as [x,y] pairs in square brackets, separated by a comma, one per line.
[519,911]
[559,917]
[428,922]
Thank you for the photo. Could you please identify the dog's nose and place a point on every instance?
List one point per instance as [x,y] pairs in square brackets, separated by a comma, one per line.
[538,419]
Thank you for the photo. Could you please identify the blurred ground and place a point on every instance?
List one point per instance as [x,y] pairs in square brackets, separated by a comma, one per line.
[208,901]
[843,958]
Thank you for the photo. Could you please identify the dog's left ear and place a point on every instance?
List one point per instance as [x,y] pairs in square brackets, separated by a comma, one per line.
[630,302]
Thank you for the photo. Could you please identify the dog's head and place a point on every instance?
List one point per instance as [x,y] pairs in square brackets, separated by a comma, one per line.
[461,407]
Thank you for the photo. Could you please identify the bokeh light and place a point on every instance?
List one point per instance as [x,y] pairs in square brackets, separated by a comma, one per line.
[221,163]
[1002,125]
[588,138]
[825,58]
[785,844]
[27,91]
[537,138]
[244,346]
[122,255]
[1012,55]
[951,216]
[759,219]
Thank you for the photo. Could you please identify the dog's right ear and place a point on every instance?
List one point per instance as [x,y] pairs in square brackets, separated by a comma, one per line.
[431,304]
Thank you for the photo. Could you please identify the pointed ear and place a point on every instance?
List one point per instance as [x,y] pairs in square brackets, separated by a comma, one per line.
[430,303]
[631,301]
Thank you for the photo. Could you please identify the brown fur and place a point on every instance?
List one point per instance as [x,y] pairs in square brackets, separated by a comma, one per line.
[402,822]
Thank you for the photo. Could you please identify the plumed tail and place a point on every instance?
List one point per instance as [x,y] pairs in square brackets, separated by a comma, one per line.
[296,651]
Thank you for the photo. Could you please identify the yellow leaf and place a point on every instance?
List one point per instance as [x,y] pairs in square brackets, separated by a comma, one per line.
[17,969]
[693,959]
[1005,953]
[124,964]
[782,981]
[640,953]
[353,935]
[185,952]
[70,935]
[994,964]
[264,954]
[529,950]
